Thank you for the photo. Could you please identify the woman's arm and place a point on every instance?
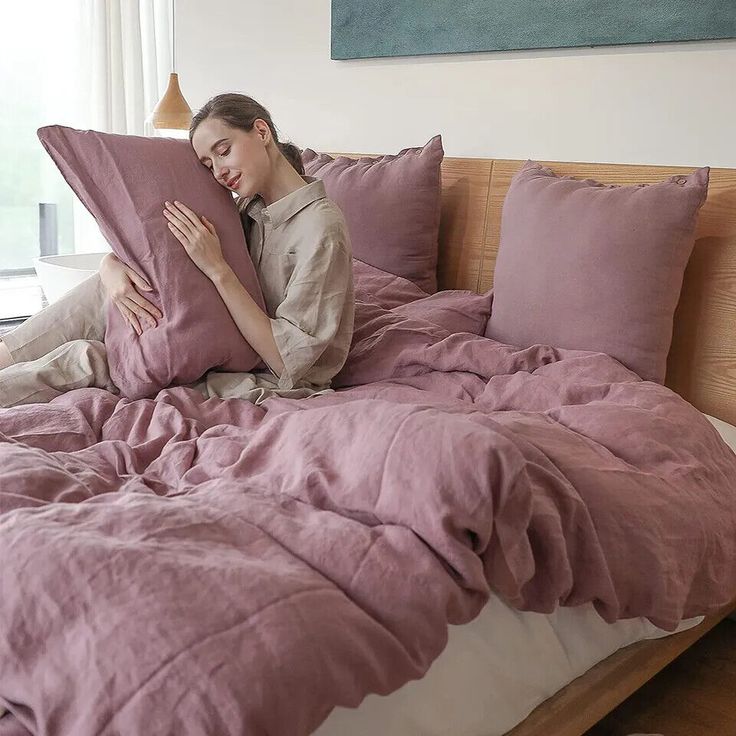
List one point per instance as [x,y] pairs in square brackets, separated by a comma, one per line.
[253,323]
[200,240]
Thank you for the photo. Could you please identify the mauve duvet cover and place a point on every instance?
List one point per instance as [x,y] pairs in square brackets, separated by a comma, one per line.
[182,566]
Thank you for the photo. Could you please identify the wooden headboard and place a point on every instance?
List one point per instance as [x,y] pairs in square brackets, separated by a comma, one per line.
[702,362]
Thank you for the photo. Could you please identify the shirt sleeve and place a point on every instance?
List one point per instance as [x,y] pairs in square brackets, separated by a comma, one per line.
[309,317]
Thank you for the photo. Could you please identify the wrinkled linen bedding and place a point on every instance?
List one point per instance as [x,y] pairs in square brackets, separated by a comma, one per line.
[496,669]
[187,566]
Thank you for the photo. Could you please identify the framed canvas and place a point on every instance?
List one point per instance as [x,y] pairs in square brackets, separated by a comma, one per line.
[374,28]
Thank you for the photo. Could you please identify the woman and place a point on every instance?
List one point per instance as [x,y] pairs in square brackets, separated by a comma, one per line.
[299,246]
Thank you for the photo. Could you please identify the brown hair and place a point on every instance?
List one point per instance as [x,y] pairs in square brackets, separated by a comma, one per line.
[241,111]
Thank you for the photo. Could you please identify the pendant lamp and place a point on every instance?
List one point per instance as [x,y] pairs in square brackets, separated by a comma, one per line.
[172,114]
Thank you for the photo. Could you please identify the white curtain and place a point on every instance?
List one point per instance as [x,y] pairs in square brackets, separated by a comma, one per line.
[128,57]
[125,60]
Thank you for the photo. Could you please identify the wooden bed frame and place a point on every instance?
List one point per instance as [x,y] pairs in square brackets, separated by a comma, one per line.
[701,367]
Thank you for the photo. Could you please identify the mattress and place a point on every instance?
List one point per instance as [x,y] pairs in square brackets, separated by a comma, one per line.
[496,669]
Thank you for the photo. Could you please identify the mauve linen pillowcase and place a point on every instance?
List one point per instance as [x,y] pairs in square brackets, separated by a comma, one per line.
[391,205]
[123,181]
[457,310]
[591,266]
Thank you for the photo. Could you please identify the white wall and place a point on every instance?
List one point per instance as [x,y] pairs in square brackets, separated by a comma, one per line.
[658,104]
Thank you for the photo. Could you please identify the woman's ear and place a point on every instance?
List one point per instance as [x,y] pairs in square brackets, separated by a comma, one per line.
[264,132]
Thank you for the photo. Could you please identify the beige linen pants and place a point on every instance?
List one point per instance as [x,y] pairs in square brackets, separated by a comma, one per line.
[58,349]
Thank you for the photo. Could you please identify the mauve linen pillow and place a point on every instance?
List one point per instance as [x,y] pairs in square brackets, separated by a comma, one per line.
[592,266]
[391,205]
[457,310]
[123,181]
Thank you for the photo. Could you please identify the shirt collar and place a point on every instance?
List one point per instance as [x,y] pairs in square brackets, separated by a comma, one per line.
[283,209]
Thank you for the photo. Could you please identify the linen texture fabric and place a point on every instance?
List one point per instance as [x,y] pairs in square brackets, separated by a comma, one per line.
[59,349]
[391,205]
[302,254]
[304,554]
[123,180]
[590,266]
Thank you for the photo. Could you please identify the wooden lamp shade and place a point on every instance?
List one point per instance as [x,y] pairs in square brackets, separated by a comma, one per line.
[172,112]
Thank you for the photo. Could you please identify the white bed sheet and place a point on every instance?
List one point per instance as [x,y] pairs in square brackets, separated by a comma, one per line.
[496,669]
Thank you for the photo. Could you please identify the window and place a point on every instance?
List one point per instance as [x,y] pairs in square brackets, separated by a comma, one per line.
[40,84]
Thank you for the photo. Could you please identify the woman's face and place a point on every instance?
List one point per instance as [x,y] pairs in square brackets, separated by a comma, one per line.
[238,159]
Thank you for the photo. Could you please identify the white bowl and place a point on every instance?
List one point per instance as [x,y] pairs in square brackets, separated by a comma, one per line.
[59,274]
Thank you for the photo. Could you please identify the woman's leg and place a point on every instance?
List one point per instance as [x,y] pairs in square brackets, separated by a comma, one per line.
[5,357]
[75,364]
[78,315]
[58,349]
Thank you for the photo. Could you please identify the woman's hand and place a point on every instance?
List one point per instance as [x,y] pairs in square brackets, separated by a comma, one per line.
[199,238]
[120,283]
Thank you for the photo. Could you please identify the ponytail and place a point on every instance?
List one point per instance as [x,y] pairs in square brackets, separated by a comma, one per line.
[293,155]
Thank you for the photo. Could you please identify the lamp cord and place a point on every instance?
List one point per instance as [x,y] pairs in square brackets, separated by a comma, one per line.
[173,40]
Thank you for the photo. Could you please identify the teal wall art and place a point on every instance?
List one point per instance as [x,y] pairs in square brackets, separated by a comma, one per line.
[373,28]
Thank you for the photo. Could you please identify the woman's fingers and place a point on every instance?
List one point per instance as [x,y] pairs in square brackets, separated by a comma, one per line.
[184,211]
[180,219]
[209,225]
[141,314]
[179,230]
[137,279]
[129,317]
[144,304]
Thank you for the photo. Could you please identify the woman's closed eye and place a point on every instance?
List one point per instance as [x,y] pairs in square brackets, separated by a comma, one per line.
[221,155]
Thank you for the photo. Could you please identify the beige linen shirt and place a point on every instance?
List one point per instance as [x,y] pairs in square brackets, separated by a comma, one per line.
[302,255]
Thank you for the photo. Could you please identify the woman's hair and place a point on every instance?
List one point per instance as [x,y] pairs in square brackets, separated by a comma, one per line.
[241,111]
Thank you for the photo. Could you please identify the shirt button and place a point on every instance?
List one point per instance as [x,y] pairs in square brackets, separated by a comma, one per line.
[682,180]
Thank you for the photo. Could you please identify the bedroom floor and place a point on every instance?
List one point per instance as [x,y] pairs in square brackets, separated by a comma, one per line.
[693,696]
